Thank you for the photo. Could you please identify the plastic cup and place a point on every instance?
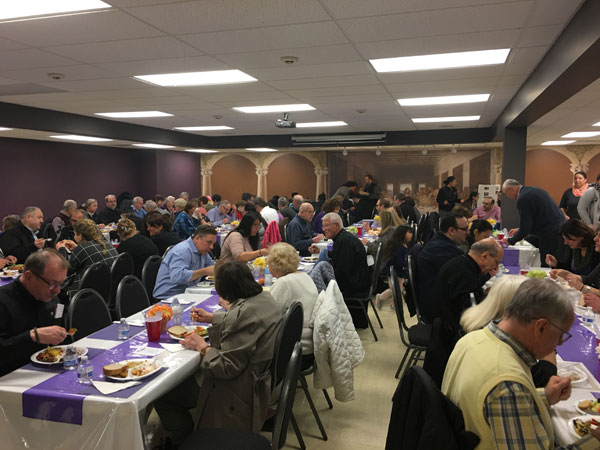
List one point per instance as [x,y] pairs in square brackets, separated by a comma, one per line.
[359,230]
[153,327]
[500,236]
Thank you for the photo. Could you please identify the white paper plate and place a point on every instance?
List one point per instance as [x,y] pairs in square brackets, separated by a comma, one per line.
[572,428]
[585,412]
[569,371]
[80,351]
[130,377]
[190,328]
[309,259]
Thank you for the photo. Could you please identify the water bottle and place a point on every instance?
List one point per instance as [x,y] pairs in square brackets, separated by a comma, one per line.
[268,277]
[70,358]
[588,316]
[123,329]
[177,312]
[85,371]
[500,270]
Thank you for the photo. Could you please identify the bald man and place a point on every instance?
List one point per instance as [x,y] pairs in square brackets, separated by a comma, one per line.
[299,232]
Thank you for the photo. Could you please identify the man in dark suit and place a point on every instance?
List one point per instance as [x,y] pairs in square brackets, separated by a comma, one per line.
[110,214]
[539,216]
[22,240]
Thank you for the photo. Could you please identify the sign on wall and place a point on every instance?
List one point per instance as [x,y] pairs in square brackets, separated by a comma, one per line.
[488,190]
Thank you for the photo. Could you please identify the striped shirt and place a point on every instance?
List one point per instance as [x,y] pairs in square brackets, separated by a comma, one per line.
[512,412]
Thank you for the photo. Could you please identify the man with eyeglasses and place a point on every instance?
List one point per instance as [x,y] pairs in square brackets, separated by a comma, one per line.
[488,210]
[488,375]
[30,315]
[440,249]
[299,233]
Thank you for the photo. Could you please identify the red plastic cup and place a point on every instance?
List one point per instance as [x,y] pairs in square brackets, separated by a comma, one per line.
[500,236]
[153,327]
[524,272]
[359,230]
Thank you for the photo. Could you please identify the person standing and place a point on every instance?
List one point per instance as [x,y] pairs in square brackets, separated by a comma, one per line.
[570,199]
[447,196]
[368,199]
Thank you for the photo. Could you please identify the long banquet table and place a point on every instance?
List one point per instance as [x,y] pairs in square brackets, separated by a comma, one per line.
[42,408]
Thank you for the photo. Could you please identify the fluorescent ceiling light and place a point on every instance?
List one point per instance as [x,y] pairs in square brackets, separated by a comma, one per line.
[261,149]
[581,134]
[206,128]
[557,142]
[123,115]
[335,123]
[440,61]
[445,119]
[5,129]
[447,100]
[153,145]
[200,150]
[274,108]
[32,8]
[597,124]
[75,137]
[197,78]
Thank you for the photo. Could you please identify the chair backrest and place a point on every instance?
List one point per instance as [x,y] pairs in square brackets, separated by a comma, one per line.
[149,273]
[120,268]
[88,312]
[131,296]
[286,398]
[397,297]
[376,270]
[167,250]
[289,333]
[412,279]
[97,277]
[282,228]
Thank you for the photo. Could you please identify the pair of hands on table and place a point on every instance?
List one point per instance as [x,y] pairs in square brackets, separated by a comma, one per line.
[67,243]
[195,341]
[10,259]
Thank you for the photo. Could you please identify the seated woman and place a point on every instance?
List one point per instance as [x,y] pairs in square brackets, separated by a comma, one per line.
[480,229]
[242,244]
[91,207]
[389,221]
[137,245]
[292,286]
[233,385]
[492,308]
[159,230]
[185,225]
[331,205]
[89,248]
[580,239]
[394,253]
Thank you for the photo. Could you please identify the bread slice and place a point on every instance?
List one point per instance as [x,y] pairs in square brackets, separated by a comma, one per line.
[178,331]
[112,370]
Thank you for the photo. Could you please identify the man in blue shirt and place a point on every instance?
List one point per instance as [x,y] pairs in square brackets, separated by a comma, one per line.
[137,207]
[299,233]
[220,215]
[185,263]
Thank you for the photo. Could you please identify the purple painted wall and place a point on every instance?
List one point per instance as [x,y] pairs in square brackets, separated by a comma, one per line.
[44,173]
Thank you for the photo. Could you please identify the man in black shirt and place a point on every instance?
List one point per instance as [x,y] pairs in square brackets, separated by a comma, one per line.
[30,315]
[22,240]
[110,214]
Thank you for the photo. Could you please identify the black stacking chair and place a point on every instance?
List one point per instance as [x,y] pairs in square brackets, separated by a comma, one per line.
[120,268]
[167,250]
[415,338]
[97,277]
[220,439]
[88,312]
[304,372]
[131,296]
[412,279]
[149,273]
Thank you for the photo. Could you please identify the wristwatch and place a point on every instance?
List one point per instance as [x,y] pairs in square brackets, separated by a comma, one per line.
[204,350]
[585,289]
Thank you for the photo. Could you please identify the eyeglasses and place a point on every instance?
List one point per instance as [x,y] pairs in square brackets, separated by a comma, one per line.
[461,228]
[565,334]
[51,284]
[486,204]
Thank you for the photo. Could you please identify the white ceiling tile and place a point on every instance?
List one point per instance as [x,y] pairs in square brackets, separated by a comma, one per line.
[267,38]
[129,3]
[40,74]
[31,58]
[88,85]
[551,12]
[7,44]
[208,15]
[324,70]
[347,98]
[127,50]
[173,65]
[108,25]
[431,23]
[373,89]
[314,83]
[536,36]
[143,91]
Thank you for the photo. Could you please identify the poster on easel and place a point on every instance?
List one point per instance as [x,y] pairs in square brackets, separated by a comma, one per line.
[488,190]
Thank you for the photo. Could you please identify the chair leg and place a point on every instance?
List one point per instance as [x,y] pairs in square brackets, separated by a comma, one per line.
[312,406]
[402,362]
[364,308]
[376,313]
[297,431]
[327,399]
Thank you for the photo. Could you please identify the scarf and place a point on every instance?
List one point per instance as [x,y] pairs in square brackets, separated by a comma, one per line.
[579,192]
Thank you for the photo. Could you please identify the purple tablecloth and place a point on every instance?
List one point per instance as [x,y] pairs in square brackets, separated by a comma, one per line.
[581,348]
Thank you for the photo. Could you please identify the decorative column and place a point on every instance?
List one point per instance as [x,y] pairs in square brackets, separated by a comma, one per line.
[261,189]
[496,166]
[467,175]
[321,173]
[206,181]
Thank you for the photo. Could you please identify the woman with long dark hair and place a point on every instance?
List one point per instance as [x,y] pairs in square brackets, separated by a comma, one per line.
[570,199]
[580,239]
[243,243]
[480,229]
[395,253]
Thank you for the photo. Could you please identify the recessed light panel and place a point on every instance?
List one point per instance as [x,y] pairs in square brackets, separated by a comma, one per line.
[557,142]
[32,8]
[597,124]
[75,137]
[5,129]
[206,128]
[335,123]
[274,108]
[153,145]
[200,150]
[261,149]
[447,100]
[581,134]
[197,78]
[127,114]
[440,61]
[445,119]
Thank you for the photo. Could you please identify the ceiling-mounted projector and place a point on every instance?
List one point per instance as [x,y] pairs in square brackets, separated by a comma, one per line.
[285,122]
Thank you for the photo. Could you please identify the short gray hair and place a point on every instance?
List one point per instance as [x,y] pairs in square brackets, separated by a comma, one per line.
[333,218]
[109,195]
[224,202]
[170,198]
[137,199]
[539,298]
[68,204]
[298,199]
[283,201]
[485,245]
[29,210]
[511,182]
[305,207]
[37,261]
[150,205]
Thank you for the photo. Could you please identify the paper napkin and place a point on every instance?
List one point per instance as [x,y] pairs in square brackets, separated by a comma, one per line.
[107,387]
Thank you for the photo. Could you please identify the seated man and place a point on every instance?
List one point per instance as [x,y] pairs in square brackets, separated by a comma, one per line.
[30,315]
[22,240]
[63,218]
[285,210]
[435,253]
[268,213]
[488,210]
[349,260]
[221,214]
[110,213]
[185,263]
[137,207]
[461,276]
[66,233]
[488,375]
[299,233]
[297,201]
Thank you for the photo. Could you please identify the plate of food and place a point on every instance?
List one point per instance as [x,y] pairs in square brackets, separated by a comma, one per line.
[131,369]
[577,375]
[180,332]
[210,278]
[9,273]
[581,426]
[54,354]
[591,407]
[310,259]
